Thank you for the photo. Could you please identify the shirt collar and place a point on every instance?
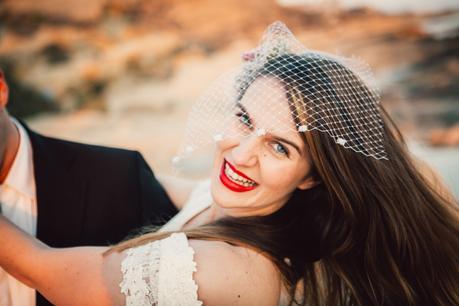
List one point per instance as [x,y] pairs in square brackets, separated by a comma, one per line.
[21,175]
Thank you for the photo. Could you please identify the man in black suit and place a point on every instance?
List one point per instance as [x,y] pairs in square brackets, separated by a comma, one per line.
[69,194]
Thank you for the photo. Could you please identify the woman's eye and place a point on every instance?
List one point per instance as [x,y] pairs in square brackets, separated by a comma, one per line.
[244,119]
[279,148]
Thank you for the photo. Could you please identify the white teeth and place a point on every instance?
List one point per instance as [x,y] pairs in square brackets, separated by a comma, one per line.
[237,178]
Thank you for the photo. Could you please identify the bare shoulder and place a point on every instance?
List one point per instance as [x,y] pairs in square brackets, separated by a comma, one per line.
[231,275]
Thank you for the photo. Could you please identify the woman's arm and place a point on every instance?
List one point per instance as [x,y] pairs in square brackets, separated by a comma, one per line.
[71,276]
[83,276]
[178,189]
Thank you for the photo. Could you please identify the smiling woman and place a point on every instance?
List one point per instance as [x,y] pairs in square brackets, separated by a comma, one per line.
[258,164]
[310,172]
[313,199]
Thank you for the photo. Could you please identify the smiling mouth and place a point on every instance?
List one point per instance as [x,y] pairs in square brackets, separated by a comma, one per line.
[234,179]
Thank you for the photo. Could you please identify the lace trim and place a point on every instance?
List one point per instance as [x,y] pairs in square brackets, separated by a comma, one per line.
[160,273]
[140,269]
[176,281]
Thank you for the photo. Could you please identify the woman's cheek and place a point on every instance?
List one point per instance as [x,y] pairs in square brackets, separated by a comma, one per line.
[275,176]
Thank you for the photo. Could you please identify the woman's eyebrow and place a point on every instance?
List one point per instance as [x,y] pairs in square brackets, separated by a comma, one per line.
[238,104]
[244,110]
[286,141]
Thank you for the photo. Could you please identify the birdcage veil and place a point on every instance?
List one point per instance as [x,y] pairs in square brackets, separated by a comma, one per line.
[329,93]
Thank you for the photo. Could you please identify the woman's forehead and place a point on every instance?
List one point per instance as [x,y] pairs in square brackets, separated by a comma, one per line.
[266,103]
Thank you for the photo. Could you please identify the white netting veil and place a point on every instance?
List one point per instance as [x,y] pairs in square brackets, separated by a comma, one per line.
[286,88]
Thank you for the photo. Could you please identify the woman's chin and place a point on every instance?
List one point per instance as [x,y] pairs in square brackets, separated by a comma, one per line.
[221,195]
[226,198]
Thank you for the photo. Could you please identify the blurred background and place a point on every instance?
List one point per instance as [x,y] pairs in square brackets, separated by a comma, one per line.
[125,72]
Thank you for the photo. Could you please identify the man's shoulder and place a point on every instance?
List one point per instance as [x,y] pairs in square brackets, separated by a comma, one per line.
[92,157]
[37,139]
[88,150]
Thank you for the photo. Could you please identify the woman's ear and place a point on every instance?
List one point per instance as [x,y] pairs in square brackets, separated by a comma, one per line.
[308,183]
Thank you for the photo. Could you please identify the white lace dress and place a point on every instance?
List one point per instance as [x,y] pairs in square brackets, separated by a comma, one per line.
[160,273]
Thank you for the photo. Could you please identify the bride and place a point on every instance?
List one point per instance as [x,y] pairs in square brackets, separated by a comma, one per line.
[313,199]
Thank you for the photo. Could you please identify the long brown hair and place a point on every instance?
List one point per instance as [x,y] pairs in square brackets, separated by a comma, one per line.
[372,232]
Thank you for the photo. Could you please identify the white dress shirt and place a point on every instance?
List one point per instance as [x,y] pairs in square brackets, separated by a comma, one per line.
[19,204]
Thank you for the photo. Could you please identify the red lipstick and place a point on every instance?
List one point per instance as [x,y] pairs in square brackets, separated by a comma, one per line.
[231,184]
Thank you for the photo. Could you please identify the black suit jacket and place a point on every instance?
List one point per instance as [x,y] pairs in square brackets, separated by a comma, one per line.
[92,195]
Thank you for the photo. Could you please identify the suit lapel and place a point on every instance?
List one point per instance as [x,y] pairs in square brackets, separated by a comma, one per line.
[60,191]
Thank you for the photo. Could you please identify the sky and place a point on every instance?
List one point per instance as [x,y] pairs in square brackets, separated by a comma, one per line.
[386,6]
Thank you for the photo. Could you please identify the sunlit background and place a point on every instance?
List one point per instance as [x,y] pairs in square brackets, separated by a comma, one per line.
[124,73]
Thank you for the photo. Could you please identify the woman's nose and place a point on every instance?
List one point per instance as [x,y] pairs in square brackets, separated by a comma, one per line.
[245,153]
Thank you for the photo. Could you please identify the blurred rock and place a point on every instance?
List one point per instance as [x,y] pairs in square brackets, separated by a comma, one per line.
[143,56]
[442,27]
[445,137]
[80,11]
[25,100]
